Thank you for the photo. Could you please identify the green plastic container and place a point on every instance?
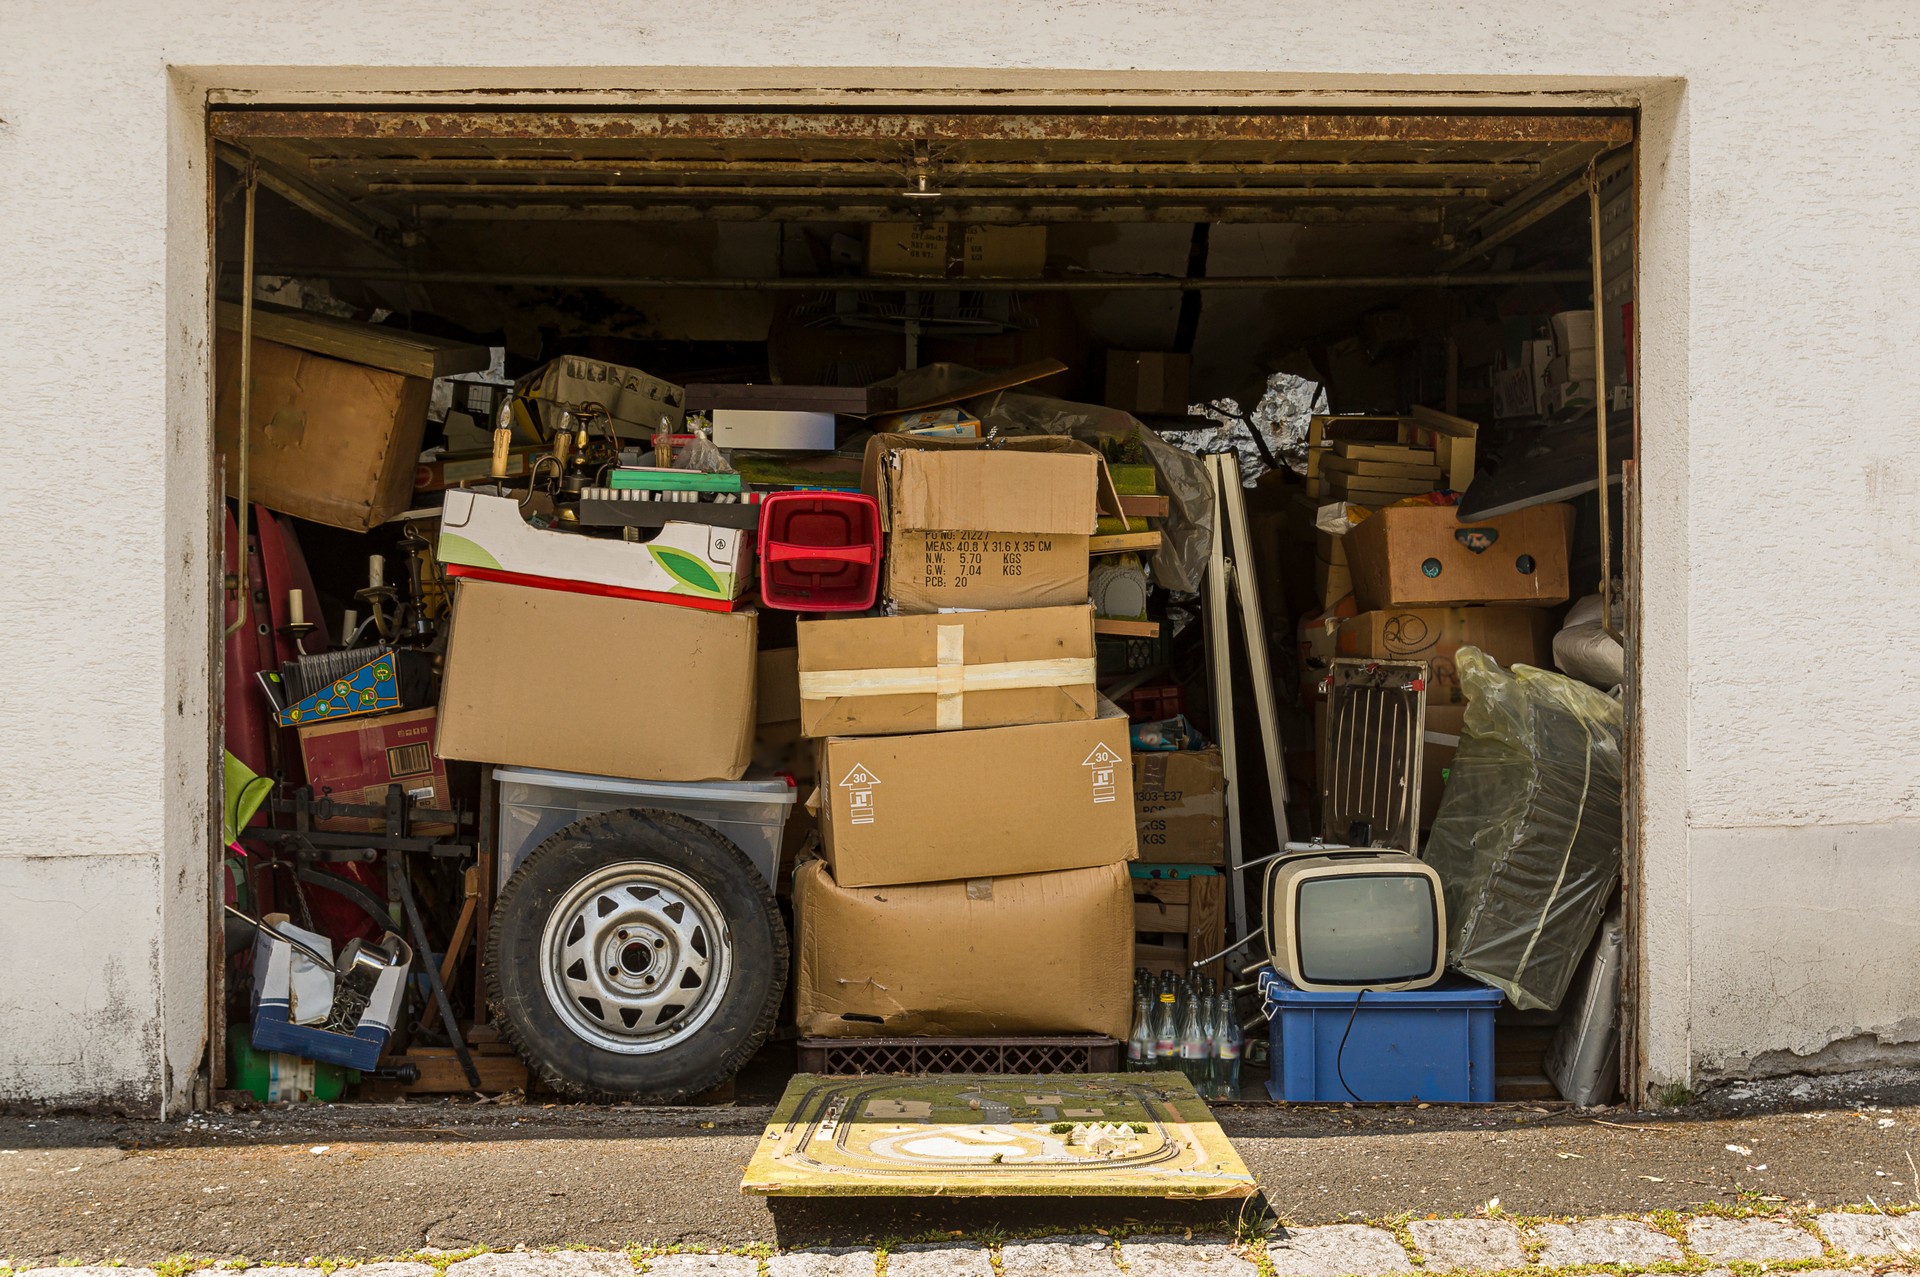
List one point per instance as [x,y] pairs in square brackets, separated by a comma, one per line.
[270,1076]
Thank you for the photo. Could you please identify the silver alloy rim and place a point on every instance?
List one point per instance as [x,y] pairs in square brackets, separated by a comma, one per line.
[635,958]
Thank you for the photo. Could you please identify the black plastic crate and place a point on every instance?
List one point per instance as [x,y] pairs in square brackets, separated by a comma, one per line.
[852,1057]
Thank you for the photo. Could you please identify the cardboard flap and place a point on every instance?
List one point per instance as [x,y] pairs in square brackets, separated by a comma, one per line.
[976,484]
[375,345]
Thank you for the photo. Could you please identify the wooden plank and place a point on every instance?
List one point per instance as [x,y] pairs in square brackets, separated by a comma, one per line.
[1399,453]
[1161,957]
[1169,891]
[1340,483]
[1139,507]
[1153,916]
[1123,542]
[441,1074]
[410,354]
[1126,629]
[1224,472]
[1207,923]
[463,927]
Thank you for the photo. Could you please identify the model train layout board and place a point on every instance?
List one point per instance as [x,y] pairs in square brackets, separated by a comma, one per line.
[969,1135]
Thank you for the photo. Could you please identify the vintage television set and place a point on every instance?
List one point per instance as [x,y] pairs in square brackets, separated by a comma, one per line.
[1353,919]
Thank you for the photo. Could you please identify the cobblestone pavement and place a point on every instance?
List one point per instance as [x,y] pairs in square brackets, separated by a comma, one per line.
[1831,1244]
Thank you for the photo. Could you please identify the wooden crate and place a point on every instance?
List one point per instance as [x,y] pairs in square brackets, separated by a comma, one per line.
[1176,920]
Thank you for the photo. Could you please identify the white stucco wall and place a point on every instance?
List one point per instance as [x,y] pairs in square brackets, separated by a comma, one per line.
[1779,746]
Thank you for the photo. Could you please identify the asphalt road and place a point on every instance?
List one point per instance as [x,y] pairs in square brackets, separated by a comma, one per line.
[369,1181]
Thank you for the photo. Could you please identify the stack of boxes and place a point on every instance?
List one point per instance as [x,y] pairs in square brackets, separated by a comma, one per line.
[1417,584]
[974,790]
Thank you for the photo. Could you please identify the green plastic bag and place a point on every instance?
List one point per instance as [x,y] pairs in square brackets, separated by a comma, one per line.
[245,791]
[1527,839]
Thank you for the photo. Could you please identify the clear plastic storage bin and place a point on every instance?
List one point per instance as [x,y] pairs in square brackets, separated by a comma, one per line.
[536,804]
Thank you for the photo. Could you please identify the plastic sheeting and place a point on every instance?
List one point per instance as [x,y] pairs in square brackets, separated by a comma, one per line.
[1527,839]
[1186,533]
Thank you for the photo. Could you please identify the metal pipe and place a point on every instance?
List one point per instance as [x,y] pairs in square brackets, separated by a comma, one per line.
[1600,409]
[846,283]
[252,179]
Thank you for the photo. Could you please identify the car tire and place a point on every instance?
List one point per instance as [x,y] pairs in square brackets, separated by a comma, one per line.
[636,955]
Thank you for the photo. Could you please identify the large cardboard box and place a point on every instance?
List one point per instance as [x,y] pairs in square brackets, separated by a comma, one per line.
[331,441]
[1150,381]
[1180,807]
[973,804]
[972,526]
[605,686]
[1510,635]
[354,760]
[875,676]
[1032,954]
[1408,556]
[906,248]
[1003,252]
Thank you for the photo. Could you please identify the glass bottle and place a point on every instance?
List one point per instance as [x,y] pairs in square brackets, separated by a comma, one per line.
[1166,1032]
[1228,1044]
[1196,1050]
[1141,1052]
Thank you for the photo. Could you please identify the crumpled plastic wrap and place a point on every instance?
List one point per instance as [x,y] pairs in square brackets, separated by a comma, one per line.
[1186,533]
[1527,839]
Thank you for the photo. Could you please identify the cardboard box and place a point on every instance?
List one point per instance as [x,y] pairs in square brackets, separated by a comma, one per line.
[778,745]
[907,248]
[605,686]
[1510,635]
[977,527]
[330,441]
[1148,381]
[972,804]
[1180,807]
[1003,252]
[1572,331]
[1455,444]
[1032,954]
[1410,556]
[353,760]
[1339,484]
[693,564]
[874,676]
[639,403]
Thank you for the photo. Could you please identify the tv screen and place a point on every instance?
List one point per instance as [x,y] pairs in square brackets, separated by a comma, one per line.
[1366,928]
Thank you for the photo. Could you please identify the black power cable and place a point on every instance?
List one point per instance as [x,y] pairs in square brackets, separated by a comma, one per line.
[1339,1056]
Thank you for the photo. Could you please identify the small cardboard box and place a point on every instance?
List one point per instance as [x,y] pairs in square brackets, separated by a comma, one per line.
[874,676]
[605,686]
[1003,252]
[907,248]
[988,957]
[1149,381]
[353,760]
[1179,806]
[695,564]
[1510,635]
[1411,556]
[973,526]
[972,804]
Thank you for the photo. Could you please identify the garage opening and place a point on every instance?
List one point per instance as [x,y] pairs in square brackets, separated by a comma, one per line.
[588,455]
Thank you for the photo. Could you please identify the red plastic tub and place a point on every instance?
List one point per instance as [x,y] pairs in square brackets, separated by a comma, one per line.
[819,551]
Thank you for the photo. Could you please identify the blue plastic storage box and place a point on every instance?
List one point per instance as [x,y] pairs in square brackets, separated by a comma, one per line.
[1433,1044]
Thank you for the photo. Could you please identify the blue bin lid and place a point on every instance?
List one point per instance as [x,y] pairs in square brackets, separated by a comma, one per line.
[1452,990]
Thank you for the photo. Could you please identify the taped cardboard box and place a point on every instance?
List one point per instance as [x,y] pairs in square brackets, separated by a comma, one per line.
[876,676]
[1180,807]
[1028,954]
[972,804]
[1510,635]
[978,524]
[606,686]
[1422,555]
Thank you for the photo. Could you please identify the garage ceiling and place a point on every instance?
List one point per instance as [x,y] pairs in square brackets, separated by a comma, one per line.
[378,173]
